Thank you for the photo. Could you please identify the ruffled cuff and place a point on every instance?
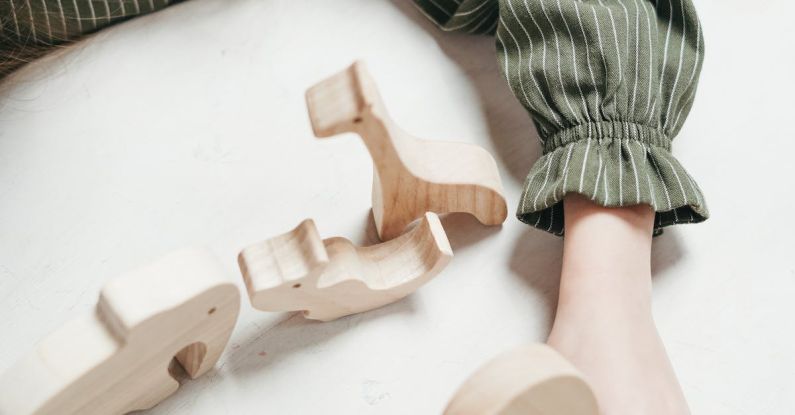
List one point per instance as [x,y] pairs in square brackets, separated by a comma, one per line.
[613,164]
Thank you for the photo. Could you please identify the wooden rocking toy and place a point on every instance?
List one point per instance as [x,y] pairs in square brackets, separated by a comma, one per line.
[332,278]
[411,176]
[531,380]
[173,316]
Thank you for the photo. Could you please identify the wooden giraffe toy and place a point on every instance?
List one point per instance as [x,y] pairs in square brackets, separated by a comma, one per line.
[411,176]
[332,278]
[174,315]
[531,380]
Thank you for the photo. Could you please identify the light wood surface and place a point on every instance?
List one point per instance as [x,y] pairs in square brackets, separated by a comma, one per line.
[332,278]
[411,176]
[530,380]
[170,319]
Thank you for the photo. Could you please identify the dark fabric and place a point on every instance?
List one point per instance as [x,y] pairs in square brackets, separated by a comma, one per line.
[31,28]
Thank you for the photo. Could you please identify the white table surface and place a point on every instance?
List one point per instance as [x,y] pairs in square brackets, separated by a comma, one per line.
[189,127]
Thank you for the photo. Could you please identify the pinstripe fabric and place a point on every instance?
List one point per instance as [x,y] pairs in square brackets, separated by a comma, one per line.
[29,28]
[609,84]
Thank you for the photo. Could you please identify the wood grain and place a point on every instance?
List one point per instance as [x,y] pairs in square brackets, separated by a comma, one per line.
[411,176]
[332,278]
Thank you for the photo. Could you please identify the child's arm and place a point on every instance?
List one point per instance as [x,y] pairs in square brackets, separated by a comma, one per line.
[604,323]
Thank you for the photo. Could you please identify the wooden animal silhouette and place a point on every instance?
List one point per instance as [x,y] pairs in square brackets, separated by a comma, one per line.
[531,380]
[411,176]
[332,278]
[173,316]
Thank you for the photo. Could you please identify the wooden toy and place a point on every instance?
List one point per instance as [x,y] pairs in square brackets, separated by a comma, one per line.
[332,278]
[411,176]
[531,380]
[173,317]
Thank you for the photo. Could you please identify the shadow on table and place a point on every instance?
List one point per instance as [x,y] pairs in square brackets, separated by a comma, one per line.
[291,335]
[666,250]
[536,261]
[462,230]
[295,335]
[477,58]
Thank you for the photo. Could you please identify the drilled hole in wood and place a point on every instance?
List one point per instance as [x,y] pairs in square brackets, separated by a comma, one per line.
[297,285]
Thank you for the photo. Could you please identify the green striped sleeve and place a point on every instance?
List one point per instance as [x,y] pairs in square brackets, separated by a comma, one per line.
[609,84]
[32,28]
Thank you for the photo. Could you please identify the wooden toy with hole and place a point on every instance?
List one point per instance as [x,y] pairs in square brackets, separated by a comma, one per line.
[151,326]
[411,176]
[331,278]
[530,380]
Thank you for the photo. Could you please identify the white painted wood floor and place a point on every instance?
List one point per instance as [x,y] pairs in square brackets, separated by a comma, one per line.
[176,130]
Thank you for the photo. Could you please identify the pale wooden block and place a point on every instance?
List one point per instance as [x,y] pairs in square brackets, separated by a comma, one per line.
[332,278]
[117,359]
[530,380]
[411,176]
